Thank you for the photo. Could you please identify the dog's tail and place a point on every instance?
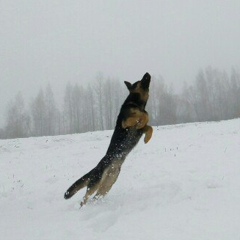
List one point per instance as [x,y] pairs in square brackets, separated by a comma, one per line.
[78,185]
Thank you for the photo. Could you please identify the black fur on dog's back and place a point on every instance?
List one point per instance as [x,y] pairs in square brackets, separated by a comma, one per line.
[101,178]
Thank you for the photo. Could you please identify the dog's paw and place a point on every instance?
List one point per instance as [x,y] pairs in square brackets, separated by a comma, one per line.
[148,134]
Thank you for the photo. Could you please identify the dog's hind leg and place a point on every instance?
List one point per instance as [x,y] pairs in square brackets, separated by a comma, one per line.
[148,130]
[90,190]
[111,175]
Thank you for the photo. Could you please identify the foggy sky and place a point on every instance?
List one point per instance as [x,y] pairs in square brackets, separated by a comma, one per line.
[59,41]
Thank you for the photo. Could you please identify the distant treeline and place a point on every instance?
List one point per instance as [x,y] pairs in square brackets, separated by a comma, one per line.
[214,95]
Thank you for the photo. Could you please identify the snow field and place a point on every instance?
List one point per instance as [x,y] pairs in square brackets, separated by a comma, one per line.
[184,184]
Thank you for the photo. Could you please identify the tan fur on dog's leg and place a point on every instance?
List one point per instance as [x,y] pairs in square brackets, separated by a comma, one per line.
[139,119]
[142,121]
[110,177]
[130,122]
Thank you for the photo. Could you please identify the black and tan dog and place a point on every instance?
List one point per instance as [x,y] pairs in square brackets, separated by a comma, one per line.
[131,125]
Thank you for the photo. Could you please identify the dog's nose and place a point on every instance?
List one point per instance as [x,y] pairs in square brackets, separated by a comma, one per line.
[146,80]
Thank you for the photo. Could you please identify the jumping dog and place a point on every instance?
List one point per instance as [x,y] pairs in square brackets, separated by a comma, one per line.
[130,126]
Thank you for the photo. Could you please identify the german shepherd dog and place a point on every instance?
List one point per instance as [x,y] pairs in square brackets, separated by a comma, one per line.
[130,126]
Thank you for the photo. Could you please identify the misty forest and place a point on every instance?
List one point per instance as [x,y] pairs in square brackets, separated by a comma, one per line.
[213,95]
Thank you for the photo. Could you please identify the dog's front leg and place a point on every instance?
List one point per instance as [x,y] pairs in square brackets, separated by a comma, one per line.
[136,118]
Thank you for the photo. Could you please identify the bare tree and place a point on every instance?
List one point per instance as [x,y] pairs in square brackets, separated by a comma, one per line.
[38,112]
[68,110]
[50,111]
[99,101]
[18,121]
[234,94]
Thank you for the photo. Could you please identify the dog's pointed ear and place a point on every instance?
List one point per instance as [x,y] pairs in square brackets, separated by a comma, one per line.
[128,84]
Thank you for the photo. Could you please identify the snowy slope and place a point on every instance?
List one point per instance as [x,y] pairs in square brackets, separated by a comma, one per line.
[184,184]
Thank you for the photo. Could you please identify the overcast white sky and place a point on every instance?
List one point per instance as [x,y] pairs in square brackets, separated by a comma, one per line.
[56,41]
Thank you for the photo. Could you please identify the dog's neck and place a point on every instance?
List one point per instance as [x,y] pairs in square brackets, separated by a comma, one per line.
[133,104]
[134,100]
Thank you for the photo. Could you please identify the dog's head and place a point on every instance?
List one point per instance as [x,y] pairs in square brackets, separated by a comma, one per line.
[140,87]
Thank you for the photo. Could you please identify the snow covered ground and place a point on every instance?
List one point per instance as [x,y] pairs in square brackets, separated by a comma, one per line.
[184,184]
